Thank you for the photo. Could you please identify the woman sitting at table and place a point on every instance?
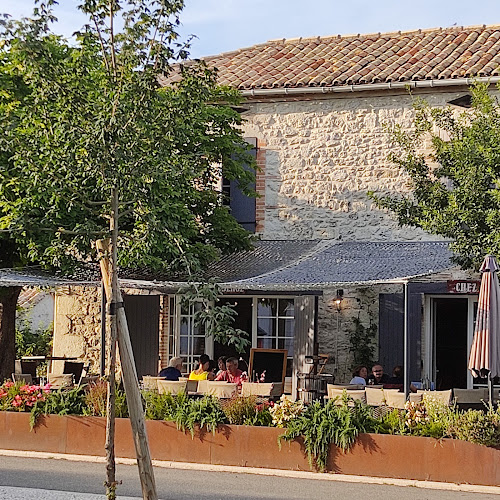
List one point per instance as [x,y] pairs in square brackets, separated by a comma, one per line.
[202,372]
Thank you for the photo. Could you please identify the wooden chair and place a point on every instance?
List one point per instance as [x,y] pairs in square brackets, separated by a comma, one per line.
[287,388]
[222,390]
[22,377]
[171,386]
[255,389]
[60,380]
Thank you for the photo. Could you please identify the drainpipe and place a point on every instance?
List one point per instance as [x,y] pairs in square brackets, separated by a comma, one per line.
[406,380]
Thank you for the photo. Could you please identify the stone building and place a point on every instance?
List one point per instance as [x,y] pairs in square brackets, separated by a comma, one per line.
[319,113]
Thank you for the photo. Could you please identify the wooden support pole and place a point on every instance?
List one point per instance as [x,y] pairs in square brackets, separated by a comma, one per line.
[130,381]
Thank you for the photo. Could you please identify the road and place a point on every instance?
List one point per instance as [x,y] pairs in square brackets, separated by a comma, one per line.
[46,478]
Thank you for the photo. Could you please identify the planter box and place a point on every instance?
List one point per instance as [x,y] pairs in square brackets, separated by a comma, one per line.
[373,454]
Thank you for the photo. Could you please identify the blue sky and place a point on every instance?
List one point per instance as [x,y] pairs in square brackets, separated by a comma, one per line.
[225,25]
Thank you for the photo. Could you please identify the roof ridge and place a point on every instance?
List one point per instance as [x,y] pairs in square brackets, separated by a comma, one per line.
[341,36]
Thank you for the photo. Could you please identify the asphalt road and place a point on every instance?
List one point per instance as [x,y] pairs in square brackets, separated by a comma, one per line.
[45,478]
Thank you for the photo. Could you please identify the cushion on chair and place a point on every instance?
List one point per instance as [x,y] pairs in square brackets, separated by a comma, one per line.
[171,386]
[223,390]
[59,381]
[375,396]
[394,398]
[442,396]
[256,389]
[149,383]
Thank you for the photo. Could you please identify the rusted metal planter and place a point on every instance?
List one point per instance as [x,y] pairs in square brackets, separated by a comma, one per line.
[373,454]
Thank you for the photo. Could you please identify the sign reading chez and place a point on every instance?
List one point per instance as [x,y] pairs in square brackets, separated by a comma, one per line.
[463,286]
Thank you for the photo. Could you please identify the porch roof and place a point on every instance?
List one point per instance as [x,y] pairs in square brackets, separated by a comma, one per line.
[330,263]
[280,265]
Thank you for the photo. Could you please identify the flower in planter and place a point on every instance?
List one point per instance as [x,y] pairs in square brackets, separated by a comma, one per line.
[285,410]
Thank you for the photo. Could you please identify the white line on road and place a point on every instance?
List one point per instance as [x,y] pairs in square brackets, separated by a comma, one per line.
[434,485]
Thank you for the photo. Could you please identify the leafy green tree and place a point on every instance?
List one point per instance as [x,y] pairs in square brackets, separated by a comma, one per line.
[455,189]
[80,120]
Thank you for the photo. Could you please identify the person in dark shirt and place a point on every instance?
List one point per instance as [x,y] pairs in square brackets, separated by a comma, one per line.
[173,371]
[378,377]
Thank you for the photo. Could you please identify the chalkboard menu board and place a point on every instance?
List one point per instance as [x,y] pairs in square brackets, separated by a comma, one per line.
[273,361]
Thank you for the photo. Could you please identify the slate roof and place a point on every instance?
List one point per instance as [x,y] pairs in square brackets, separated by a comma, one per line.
[411,56]
[331,263]
[292,266]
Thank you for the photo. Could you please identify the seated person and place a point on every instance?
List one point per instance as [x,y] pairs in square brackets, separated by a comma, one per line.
[232,373]
[173,371]
[378,377]
[359,375]
[397,379]
[202,372]
[221,364]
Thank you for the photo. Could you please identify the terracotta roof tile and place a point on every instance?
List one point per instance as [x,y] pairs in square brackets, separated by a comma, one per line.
[442,53]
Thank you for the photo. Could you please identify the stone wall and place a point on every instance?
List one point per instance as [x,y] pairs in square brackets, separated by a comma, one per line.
[322,157]
[334,326]
[77,325]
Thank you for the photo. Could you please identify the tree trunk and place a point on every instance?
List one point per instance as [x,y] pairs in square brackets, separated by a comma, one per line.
[8,302]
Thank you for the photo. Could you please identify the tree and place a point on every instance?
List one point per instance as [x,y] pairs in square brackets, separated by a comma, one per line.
[455,189]
[80,120]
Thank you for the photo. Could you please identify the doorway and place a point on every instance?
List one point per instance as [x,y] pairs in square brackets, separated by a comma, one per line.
[451,325]
[243,321]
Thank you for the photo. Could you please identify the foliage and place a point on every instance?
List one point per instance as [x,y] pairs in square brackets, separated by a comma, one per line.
[81,119]
[205,412]
[362,343]
[187,413]
[33,342]
[477,427]
[20,396]
[96,400]
[286,410]
[60,402]
[84,119]
[320,426]
[217,320]
[454,187]
[261,417]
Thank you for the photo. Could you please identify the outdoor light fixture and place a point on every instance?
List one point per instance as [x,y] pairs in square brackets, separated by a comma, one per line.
[338,299]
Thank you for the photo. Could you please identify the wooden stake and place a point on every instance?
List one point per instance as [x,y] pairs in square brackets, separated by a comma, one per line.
[129,373]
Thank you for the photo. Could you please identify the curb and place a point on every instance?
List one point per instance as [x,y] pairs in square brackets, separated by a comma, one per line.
[434,485]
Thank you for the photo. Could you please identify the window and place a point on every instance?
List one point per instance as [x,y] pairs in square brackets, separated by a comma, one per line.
[276,326]
[191,339]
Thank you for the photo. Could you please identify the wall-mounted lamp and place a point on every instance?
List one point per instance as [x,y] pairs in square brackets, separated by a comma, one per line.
[338,299]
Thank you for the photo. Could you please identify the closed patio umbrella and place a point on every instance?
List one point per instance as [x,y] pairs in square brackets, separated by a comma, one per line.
[484,357]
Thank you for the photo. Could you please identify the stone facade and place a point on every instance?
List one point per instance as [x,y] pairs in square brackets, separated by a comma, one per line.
[322,157]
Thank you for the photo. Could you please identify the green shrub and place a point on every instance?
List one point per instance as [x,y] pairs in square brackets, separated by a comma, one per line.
[206,413]
[321,426]
[240,409]
[477,427]
[96,400]
[61,402]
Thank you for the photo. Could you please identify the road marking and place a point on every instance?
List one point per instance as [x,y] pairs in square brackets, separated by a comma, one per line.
[16,493]
[434,485]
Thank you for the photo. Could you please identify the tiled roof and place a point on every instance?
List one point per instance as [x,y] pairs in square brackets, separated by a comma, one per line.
[433,54]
